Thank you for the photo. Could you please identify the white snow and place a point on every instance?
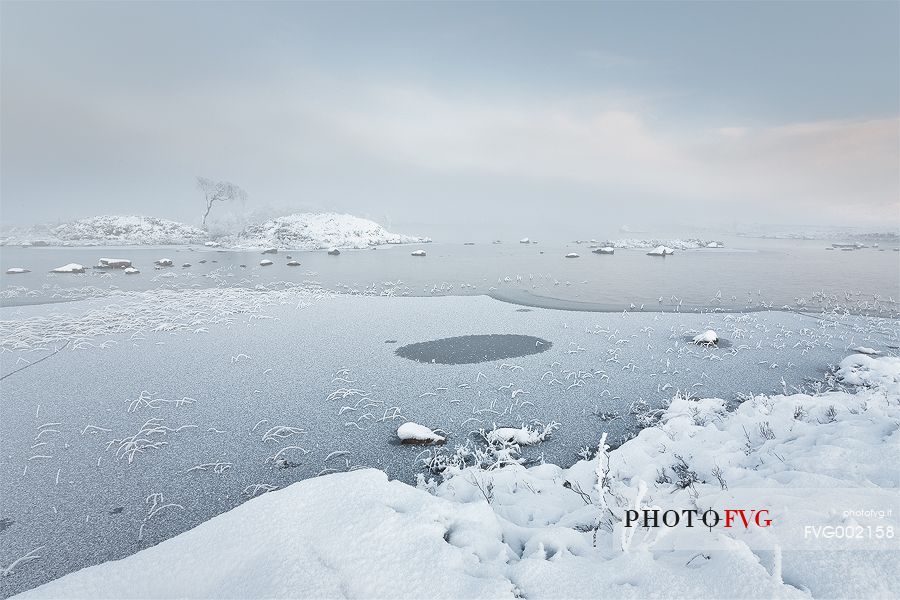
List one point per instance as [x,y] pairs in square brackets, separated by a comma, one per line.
[487,528]
[707,337]
[314,231]
[16,270]
[413,432]
[69,268]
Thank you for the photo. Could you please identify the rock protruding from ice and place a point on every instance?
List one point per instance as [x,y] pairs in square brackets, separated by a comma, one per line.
[16,271]
[413,433]
[604,250]
[418,253]
[163,262]
[661,251]
[270,251]
[333,251]
[708,337]
[293,263]
[113,263]
[315,231]
[572,255]
[69,268]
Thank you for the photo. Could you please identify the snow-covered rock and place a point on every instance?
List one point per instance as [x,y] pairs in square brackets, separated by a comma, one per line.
[163,262]
[524,240]
[69,268]
[522,436]
[16,271]
[413,433]
[293,263]
[265,263]
[604,250]
[270,251]
[572,255]
[865,350]
[334,251]
[418,253]
[113,263]
[661,251]
[708,337]
[131,271]
[314,231]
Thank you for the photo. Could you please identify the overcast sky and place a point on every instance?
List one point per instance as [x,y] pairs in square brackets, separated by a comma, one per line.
[514,115]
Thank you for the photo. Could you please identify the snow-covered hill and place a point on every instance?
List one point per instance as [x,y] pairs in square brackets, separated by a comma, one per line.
[797,500]
[107,230]
[313,231]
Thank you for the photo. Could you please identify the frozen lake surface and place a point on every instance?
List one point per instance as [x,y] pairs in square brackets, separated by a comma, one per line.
[208,397]
[746,273]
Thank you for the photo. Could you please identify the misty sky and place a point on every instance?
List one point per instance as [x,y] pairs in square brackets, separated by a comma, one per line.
[539,117]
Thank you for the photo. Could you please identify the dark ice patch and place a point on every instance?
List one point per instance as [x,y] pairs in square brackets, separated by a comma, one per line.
[468,349]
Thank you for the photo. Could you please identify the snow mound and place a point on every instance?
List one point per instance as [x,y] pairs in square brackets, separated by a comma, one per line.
[127,230]
[16,271]
[413,433]
[315,231]
[347,535]
[265,263]
[572,255]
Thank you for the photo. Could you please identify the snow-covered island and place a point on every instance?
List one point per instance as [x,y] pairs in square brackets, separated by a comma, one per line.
[317,231]
[302,231]
[108,230]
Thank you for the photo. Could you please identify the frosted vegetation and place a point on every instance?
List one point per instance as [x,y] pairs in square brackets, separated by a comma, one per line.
[303,231]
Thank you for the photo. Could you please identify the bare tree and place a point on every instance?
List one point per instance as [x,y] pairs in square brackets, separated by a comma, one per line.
[219,191]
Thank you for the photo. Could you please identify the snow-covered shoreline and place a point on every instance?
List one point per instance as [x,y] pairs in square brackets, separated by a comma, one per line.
[495,528]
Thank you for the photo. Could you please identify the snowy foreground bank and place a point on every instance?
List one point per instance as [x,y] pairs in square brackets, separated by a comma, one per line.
[824,466]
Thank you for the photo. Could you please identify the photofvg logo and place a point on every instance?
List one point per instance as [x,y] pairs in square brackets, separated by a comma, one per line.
[728,518]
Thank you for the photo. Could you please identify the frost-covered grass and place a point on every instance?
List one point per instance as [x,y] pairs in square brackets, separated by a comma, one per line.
[497,528]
